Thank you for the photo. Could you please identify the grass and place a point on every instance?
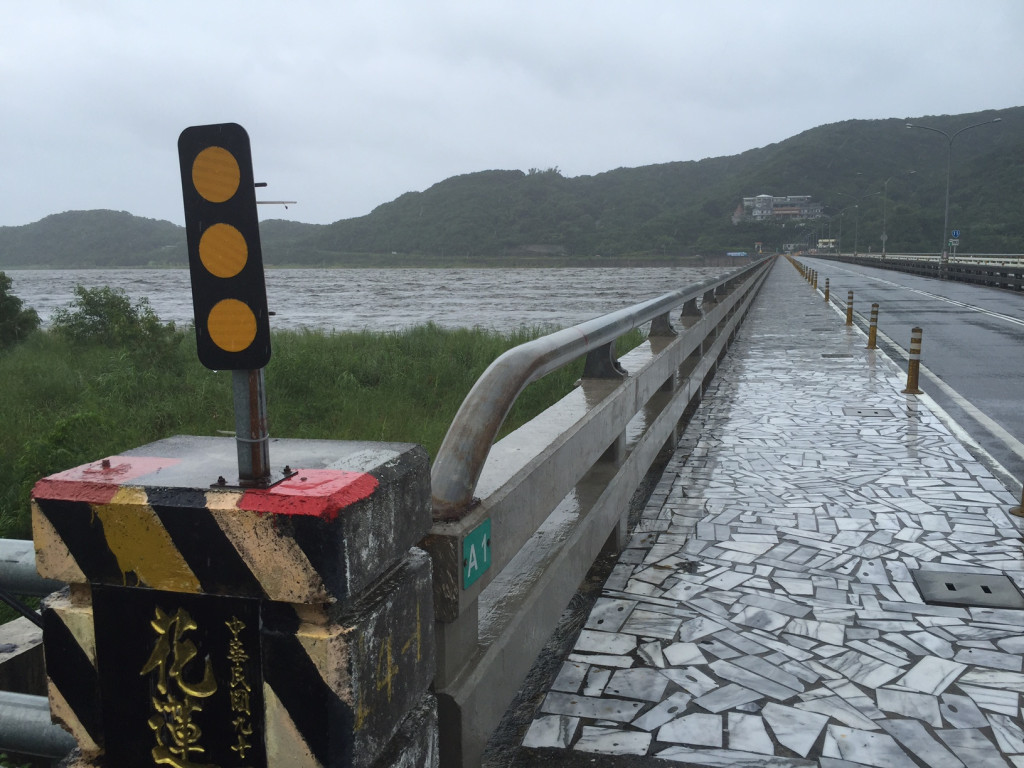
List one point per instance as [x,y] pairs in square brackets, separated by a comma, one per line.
[66,403]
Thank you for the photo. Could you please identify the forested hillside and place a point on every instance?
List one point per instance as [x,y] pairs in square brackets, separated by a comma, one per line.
[659,211]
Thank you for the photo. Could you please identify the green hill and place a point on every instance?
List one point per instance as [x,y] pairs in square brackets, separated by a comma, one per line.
[653,212]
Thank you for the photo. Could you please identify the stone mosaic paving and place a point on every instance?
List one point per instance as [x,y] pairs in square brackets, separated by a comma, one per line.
[765,612]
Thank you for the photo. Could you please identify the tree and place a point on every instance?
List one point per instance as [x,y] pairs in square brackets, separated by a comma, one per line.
[16,323]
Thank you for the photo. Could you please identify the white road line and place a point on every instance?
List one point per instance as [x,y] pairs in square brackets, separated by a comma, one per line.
[1011,443]
[946,299]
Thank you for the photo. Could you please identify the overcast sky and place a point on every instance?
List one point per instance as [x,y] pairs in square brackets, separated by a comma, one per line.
[349,104]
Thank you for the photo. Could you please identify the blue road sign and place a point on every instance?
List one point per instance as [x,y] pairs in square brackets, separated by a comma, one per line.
[956,233]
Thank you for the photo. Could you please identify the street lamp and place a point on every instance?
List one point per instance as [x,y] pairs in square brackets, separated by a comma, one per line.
[839,237]
[856,217]
[949,156]
[885,200]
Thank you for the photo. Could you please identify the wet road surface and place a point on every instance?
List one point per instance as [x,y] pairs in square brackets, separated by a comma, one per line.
[973,346]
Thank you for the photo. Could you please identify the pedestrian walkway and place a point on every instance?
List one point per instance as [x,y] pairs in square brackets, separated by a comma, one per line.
[768,611]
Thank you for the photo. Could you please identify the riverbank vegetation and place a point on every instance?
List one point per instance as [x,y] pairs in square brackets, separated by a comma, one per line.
[107,376]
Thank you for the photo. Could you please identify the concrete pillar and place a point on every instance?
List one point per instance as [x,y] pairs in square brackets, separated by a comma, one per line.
[211,625]
[21,658]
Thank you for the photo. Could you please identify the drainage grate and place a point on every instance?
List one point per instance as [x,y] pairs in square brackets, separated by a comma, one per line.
[973,589]
[836,354]
[854,411]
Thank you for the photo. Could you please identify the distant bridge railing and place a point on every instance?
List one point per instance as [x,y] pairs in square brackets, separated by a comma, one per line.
[993,269]
[519,523]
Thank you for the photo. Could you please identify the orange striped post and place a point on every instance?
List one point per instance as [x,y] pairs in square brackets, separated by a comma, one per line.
[914,366]
[873,328]
[815,283]
[826,289]
[849,308]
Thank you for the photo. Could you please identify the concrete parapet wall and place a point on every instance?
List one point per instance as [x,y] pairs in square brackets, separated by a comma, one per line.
[552,496]
[21,658]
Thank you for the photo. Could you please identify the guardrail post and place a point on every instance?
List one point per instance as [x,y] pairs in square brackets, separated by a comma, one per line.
[914,364]
[708,301]
[271,627]
[849,308]
[873,328]
[826,289]
[602,363]
[662,326]
[690,314]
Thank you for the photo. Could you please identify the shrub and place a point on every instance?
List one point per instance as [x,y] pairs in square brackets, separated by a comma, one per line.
[107,316]
[15,323]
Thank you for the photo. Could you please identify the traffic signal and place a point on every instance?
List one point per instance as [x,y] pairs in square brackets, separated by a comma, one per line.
[229,295]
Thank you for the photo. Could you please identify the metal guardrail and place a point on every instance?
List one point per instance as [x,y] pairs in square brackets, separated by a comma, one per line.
[18,570]
[25,727]
[543,502]
[465,447]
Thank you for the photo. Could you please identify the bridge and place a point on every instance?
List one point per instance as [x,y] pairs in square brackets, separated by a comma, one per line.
[827,572]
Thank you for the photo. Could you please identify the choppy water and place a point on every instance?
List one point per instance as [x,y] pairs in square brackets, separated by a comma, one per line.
[388,299]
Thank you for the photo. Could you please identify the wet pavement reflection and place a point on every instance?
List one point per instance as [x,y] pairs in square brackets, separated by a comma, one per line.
[766,612]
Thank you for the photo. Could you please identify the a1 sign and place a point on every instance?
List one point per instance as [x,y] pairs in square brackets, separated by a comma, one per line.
[476,553]
[956,233]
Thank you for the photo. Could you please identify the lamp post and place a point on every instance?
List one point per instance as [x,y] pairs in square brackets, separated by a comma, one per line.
[949,156]
[856,217]
[885,200]
[839,235]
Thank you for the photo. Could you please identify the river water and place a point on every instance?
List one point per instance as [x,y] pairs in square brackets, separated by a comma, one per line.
[388,299]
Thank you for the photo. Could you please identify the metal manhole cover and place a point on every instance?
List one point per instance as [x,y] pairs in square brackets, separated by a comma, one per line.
[855,411]
[836,354]
[973,589]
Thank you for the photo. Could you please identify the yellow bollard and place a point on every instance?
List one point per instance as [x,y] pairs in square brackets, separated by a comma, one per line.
[873,328]
[815,280]
[914,366]
[849,308]
[826,289]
